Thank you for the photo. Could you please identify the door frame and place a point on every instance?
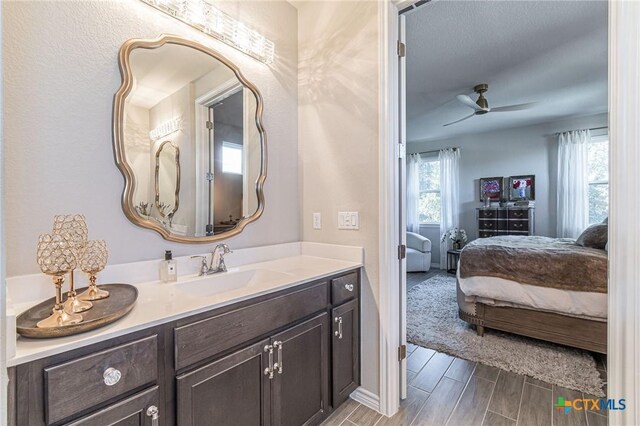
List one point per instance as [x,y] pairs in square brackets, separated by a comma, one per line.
[202,106]
[624,197]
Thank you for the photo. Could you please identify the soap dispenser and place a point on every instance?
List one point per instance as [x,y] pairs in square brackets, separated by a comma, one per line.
[168,268]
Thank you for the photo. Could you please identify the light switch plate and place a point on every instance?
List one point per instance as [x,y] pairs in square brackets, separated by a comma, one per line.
[317,221]
[348,220]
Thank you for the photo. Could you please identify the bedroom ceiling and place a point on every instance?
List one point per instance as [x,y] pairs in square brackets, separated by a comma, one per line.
[550,52]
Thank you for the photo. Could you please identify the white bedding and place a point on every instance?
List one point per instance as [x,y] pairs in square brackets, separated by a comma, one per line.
[502,292]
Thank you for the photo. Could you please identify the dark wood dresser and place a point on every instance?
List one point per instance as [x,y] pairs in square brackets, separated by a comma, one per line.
[494,221]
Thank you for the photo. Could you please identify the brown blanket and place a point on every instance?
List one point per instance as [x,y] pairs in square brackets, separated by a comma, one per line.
[542,261]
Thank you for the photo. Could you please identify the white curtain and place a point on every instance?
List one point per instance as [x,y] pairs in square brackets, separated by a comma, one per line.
[413,192]
[449,197]
[573,183]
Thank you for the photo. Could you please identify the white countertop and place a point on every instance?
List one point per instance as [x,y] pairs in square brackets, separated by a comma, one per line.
[159,303]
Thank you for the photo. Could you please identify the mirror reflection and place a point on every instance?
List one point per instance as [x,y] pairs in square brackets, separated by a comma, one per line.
[191,140]
[167,179]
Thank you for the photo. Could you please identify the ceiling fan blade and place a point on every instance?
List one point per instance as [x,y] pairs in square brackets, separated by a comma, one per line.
[518,107]
[468,102]
[457,121]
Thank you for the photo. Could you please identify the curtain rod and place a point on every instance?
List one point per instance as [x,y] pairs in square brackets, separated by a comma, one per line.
[455,148]
[592,128]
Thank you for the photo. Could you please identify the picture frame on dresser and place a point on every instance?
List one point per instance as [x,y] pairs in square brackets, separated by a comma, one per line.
[491,186]
[522,188]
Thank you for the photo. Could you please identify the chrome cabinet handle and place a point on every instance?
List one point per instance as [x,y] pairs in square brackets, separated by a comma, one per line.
[338,333]
[349,287]
[111,376]
[153,412]
[278,365]
[269,370]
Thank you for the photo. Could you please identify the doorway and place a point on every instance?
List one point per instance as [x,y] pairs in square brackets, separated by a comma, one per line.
[402,172]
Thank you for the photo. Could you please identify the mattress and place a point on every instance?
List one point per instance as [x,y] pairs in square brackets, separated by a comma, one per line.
[502,292]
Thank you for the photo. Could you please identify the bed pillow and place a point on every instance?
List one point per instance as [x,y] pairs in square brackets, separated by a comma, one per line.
[595,236]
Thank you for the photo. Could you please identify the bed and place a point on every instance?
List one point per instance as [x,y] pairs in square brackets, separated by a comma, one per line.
[546,288]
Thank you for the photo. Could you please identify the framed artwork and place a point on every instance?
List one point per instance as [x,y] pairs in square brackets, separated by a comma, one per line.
[522,188]
[491,187]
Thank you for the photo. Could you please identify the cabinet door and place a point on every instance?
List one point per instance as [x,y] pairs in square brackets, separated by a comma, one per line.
[231,391]
[345,351]
[134,411]
[300,387]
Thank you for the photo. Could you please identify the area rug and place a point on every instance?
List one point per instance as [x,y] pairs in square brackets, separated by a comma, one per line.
[432,322]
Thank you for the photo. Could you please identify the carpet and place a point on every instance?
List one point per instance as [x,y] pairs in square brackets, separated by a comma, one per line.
[432,322]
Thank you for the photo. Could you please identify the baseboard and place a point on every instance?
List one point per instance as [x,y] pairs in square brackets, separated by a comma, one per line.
[366,398]
[435,266]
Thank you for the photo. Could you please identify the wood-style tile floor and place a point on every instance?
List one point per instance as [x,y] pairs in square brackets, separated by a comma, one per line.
[445,390]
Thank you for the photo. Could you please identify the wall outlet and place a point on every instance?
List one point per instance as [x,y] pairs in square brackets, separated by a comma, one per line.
[317,221]
[348,220]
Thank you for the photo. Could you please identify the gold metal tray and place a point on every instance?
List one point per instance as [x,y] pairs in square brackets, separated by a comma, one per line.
[121,299]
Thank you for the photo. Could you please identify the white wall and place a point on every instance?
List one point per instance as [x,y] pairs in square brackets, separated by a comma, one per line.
[60,75]
[509,152]
[338,141]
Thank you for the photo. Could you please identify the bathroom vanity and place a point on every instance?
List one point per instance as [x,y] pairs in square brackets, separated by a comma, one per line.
[275,340]
[286,357]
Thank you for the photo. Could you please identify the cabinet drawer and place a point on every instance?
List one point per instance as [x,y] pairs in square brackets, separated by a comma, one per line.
[487,213]
[518,214]
[487,224]
[519,225]
[82,383]
[486,234]
[203,339]
[344,288]
[130,412]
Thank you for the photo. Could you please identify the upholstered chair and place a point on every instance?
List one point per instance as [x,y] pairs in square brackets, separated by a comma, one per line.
[418,253]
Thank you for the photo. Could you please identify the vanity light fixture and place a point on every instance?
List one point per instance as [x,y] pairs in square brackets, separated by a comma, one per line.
[166,128]
[202,15]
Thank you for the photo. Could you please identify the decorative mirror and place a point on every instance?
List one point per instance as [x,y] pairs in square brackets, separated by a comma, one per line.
[522,188]
[189,140]
[167,180]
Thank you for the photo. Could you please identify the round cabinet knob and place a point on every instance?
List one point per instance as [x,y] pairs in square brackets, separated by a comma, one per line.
[349,287]
[111,376]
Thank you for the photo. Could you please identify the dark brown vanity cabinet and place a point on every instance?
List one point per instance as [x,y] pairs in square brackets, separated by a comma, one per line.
[282,359]
[346,351]
[139,410]
[300,386]
[279,381]
[232,390]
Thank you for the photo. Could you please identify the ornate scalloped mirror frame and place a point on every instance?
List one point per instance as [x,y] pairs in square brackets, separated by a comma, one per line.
[118,138]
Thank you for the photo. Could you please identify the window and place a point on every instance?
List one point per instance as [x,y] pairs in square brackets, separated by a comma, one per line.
[429,197]
[231,158]
[598,167]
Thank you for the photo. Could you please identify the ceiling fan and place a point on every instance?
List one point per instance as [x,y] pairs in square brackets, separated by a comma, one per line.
[481,106]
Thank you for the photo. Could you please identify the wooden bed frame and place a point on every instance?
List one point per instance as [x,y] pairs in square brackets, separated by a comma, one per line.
[571,331]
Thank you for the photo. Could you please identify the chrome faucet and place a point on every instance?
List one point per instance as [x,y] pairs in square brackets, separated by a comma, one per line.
[217,259]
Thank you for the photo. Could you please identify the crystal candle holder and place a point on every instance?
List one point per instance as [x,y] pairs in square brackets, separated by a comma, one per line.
[55,257]
[93,260]
[75,228]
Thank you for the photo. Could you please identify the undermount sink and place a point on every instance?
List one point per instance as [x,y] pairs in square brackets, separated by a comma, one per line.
[229,281]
